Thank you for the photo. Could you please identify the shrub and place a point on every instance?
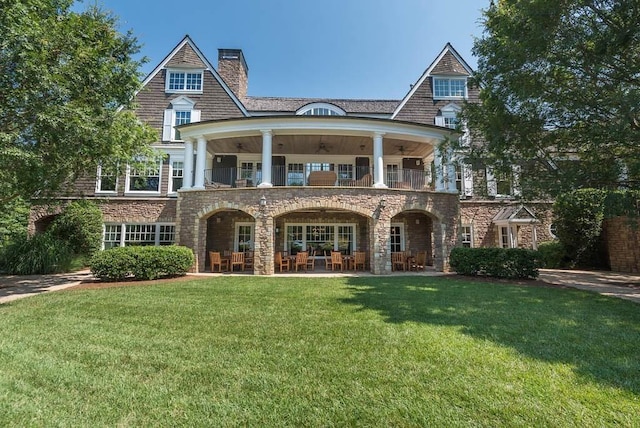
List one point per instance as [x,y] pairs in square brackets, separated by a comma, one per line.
[117,264]
[39,254]
[511,263]
[80,224]
[552,255]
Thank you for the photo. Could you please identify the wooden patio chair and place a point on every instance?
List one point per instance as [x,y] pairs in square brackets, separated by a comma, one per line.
[327,260]
[248,260]
[216,260]
[282,263]
[237,259]
[421,260]
[359,260]
[398,261]
[336,260]
[301,260]
[311,260]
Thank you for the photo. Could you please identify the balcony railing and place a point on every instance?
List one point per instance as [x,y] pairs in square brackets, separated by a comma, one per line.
[411,179]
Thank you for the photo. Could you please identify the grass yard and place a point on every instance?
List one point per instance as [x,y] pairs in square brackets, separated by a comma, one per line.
[374,351]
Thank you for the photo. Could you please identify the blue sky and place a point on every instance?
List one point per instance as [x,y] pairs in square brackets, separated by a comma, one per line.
[372,49]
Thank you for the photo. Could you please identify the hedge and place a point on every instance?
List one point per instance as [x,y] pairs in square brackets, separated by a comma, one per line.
[511,263]
[141,263]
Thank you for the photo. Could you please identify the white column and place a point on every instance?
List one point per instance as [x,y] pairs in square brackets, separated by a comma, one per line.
[437,160]
[451,173]
[187,173]
[201,162]
[266,158]
[534,238]
[378,161]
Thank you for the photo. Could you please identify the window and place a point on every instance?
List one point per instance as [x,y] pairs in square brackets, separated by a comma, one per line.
[243,237]
[295,174]
[107,180]
[467,236]
[460,178]
[144,179]
[252,172]
[503,184]
[397,237]
[393,171]
[451,122]
[449,87]
[177,175]
[181,112]
[121,235]
[184,81]
[323,238]
[321,109]
[345,172]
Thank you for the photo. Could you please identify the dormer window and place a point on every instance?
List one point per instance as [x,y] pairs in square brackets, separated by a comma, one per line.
[182,112]
[321,109]
[448,116]
[184,81]
[449,87]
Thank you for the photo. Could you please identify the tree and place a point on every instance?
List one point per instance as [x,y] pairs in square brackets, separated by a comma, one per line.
[560,93]
[67,86]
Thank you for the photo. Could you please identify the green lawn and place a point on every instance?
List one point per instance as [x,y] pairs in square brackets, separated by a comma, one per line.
[375,351]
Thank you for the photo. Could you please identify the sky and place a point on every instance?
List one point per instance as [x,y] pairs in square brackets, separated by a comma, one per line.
[363,49]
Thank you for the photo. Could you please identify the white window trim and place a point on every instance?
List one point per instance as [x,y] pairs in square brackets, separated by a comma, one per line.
[512,235]
[127,182]
[185,71]
[402,237]
[457,97]
[471,234]
[332,107]
[99,184]
[172,158]
[123,230]
[182,104]
[335,234]
[236,234]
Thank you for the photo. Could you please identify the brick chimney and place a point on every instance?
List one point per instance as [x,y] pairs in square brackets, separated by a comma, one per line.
[233,69]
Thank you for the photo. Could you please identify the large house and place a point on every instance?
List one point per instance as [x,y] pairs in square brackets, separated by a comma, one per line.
[271,174]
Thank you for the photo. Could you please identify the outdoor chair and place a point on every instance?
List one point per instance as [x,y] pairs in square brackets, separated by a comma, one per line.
[421,260]
[336,260]
[237,259]
[301,260]
[327,261]
[248,260]
[359,260]
[216,260]
[282,263]
[398,261]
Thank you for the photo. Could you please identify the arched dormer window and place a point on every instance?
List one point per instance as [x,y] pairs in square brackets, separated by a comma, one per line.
[321,109]
[181,112]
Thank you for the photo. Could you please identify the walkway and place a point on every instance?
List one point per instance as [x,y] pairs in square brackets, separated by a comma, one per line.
[624,286]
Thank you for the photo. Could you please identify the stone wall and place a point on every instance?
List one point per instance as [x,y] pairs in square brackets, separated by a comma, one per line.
[622,236]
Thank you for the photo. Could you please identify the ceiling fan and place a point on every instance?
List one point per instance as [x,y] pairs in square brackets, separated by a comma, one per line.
[401,149]
[241,148]
[322,147]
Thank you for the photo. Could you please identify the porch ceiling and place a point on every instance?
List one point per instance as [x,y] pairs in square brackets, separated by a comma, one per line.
[330,145]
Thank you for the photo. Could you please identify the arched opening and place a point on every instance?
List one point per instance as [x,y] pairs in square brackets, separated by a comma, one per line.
[43,223]
[412,233]
[229,231]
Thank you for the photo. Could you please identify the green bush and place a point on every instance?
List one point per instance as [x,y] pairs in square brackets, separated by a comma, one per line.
[141,263]
[552,255]
[80,225]
[39,254]
[511,263]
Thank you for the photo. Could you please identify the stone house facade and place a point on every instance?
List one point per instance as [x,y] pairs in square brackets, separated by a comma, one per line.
[268,174]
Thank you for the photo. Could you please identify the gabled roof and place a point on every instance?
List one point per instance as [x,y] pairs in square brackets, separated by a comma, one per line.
[291,105]
[448,62]
[515,214]
[192,58]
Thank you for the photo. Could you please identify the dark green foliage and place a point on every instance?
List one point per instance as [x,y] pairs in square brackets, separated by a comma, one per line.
[511,263]
[117,264]
[80,225]
[552,255]
[39,254]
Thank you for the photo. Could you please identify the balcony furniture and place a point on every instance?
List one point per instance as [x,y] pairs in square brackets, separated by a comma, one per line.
[215,185]
[348,261]
[226,253]
[365,181]
[398,261]
[216,260]
[322,178]
[327,261]
[336,260]
[311,260]
[237,259]
[241,183]
[301,260]
[282,262]
[359,260]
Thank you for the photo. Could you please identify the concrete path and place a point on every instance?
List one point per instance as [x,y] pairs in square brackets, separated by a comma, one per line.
[624,286]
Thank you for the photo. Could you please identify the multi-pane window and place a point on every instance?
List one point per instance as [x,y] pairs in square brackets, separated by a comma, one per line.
[460,178]
[295,174]
[393,171]
[345,239]
[323,238]
[112,235]
[244,237]
[177,175]
[181,117]
[184,81]
[504,237]
[467,236]
[118,235]
[145,179]
[345,172]
[397,238]
[252,172]
[107,180]
[321,111]
[167,234]
[503,184]
[449,88]
[451,122]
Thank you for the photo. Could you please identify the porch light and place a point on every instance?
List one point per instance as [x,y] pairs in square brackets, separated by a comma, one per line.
[383,202]
[263,201]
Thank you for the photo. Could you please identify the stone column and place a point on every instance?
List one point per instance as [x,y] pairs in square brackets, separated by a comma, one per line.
[201,162]
[437,160]
[263,263]
[266,158]
[187,179]
[378,161]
